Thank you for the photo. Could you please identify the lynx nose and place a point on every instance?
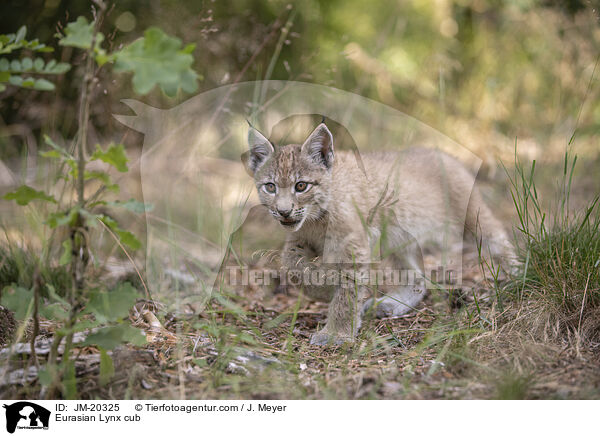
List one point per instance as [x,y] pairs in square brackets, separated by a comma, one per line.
[285,213]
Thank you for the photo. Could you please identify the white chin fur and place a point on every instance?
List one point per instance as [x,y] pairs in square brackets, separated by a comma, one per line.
[296,227]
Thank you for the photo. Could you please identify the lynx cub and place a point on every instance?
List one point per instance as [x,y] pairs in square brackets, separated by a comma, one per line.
[336,211]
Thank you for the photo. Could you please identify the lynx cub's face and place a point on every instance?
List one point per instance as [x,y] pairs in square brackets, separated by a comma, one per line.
[292,180]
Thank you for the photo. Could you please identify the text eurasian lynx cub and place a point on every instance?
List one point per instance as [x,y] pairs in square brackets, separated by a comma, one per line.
[336,211]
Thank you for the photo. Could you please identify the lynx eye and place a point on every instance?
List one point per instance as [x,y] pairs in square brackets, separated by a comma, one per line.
[270,188]
[301,186]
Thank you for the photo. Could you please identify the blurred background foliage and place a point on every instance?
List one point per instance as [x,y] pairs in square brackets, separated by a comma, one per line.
[481,71]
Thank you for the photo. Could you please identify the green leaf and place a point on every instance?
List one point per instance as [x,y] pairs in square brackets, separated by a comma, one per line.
[51,67]
[46,375]
[97,203]
[43,85]
[15,80]
[189,81]
[51,154]
[24,194]
[134,336]
[57,219]
[26,64]
[111,223]
[126,237]
[4,64]
[104,178]
[54,296]
[91,219]
[107,368]
[48,140]
[30,82]
[157,59]
[112,305]
[38,64]
[65,258]
[19,300]
[132,205]
[60,68]
[2,87]
[113,336]
[21,34]
[79,34]
[54,311]
[114,155]
[129,239]
[189,48]
[102,58]
[98,175]
[80,326]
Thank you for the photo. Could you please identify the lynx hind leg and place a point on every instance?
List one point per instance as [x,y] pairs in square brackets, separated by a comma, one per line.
[485,227]
[402,251]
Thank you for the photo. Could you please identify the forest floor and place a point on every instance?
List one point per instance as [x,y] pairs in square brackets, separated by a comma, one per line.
[436,352]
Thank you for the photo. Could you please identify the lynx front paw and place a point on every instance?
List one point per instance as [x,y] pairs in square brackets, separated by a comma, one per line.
[324,338]
[396,304]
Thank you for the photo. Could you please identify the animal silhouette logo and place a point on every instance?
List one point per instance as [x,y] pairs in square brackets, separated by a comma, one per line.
[24,414]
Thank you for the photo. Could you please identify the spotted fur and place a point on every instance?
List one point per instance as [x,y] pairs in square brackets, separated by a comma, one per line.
[349,205]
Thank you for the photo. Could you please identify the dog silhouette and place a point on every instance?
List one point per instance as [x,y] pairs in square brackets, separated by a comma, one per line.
[33,413]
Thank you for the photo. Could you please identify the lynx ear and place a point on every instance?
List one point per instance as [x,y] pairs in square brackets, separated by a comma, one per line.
[319,146]
[260,150]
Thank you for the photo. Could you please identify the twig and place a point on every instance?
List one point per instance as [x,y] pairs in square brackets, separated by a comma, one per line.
[129,257]
[84,108]
[36,320]
[78,232]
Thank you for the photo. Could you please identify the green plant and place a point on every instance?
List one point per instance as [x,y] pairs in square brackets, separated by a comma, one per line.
[18,266]
[559,249]
[513,386]
[12,69]
[155,59]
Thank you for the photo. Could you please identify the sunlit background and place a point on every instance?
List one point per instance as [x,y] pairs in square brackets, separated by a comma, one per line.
[482,72]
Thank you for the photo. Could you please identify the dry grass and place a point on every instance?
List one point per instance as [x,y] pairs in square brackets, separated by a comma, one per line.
[262,352]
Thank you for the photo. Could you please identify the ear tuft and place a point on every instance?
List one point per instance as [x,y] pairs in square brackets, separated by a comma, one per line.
[319,146]
[260,151]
